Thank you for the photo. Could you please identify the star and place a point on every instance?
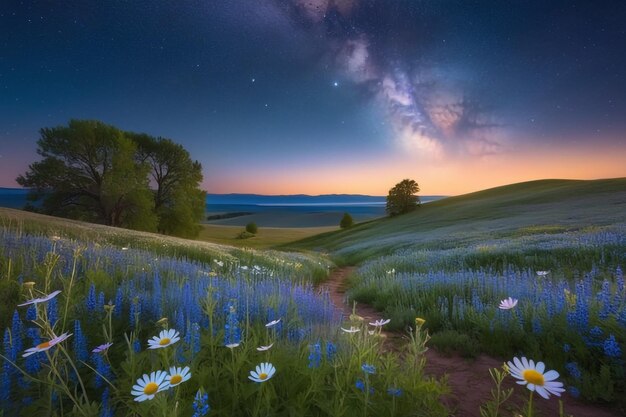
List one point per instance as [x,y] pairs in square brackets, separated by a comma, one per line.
[336,84]
[253,80]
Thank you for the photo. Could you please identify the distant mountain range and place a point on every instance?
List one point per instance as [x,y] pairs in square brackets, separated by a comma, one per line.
[16,198]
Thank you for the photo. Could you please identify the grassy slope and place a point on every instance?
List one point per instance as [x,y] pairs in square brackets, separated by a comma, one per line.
[513,209]
[266,237]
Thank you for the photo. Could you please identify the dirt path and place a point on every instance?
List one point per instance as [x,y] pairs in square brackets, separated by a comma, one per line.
[468,380]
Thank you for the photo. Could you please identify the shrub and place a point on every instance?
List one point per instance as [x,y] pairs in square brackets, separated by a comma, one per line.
[251,228]
[346,221]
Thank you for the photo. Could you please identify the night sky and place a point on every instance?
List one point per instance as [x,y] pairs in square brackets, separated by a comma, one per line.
[329,96]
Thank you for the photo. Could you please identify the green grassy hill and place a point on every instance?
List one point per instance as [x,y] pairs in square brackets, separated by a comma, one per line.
[545,206]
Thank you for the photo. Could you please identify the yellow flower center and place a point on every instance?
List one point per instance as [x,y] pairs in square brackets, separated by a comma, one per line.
[176,379]
[263,376]
[151,388]
[533,377]
[44,345]
[165,341]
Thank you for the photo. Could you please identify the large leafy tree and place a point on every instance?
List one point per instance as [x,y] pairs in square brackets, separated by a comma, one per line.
[96,172]
[178,200]
[88,173]
[402,198]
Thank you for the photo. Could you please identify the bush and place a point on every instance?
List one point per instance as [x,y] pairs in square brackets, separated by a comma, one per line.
[245,235]
[251,228]
[346,221]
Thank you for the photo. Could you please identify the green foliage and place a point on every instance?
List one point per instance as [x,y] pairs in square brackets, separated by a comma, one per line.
[346,221]
[327,389]
[499,395]
[252,228]
[451,341]
[178,199]
[95,172]
[245,235]
[402,199]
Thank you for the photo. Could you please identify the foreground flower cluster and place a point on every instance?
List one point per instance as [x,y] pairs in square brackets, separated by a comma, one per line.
[109,332]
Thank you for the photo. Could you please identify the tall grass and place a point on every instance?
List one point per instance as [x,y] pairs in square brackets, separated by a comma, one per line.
[127,295]
[573,318]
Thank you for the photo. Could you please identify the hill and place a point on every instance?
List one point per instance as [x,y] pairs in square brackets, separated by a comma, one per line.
[544,206]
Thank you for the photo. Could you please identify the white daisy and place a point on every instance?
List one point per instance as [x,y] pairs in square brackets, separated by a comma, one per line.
[147,386]
[219,263]
[232,345]
[542,273]
[41,299]
[352,329]
[534,378]
[380,323]
[164,339]
[263,372]
[264,348]
[42,347]
[508,303]
[272,323]
[177,376]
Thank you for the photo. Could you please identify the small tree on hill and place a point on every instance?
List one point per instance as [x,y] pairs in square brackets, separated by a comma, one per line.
[251,228]
[346,221]
[402,197]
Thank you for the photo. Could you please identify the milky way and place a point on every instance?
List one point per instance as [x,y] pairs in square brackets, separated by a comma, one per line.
[331,90]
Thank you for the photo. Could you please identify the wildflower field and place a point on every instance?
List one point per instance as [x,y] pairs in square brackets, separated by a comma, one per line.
[92,328]
[556,296]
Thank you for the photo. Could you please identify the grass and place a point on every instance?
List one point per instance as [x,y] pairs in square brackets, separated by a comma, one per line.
[545,206]
[266,237]
[219,303]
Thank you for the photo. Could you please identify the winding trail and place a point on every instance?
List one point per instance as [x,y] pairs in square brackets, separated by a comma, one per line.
[469,380]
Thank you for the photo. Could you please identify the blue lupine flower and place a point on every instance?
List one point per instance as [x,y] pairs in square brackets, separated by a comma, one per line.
[368,369]
[573,370]
[232,333]
[7,369]
[53,312]
[201,404]
[612,348]
[105,410]
[31,313]
[137,346]
[315,355]
[394,392]
[596,331]
[119,299]
[80,343]
[32,363]
[103,370]
[17,332]
[135,312]
[195,338]
[331,351]
[90,301]
[361,386]
[574,392]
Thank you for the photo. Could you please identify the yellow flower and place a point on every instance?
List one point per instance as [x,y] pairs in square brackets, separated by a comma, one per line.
[29,285]
[419,322]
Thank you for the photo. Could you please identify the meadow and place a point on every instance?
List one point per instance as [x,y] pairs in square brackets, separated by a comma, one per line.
[129,323]
[569,296]
[156,328]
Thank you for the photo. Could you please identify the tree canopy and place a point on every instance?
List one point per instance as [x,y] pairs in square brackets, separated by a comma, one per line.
[96,172]
[346,221]
[402,197]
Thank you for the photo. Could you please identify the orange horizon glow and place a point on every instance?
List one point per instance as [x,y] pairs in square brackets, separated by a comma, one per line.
[443,177]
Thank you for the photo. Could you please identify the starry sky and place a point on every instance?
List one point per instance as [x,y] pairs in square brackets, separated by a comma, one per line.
[329,96]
